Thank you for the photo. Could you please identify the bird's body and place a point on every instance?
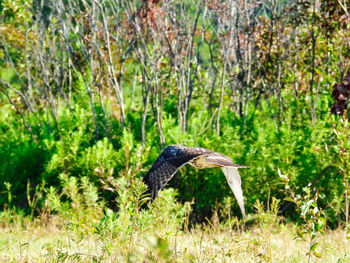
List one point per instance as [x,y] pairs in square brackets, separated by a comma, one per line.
[175,156]
[202,163]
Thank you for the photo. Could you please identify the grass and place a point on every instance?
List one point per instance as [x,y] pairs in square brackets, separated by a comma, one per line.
[55,241]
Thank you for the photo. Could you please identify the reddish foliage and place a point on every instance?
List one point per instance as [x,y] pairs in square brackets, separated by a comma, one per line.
[151,13]
[341,93]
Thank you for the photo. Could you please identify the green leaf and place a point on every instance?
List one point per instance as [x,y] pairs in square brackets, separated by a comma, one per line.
[317,226]
[289,199]
[317,254]
[321,222]
[314,246]
[305,207]
[300,233]
[313,235]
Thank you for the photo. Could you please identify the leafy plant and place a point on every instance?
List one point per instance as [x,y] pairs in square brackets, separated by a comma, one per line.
[268,221]
[342,148]
[313,217]
[78,203]
[131,222]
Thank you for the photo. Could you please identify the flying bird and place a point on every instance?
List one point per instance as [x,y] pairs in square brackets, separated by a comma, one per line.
[175,156]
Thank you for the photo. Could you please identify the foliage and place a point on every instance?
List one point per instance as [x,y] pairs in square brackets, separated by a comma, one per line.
[28,240]
[269,223]
[91,92]
[313,216]
[342,149]
[78,203]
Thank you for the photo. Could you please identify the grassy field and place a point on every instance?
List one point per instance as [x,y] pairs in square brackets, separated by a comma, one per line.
[91,92]
[55,241]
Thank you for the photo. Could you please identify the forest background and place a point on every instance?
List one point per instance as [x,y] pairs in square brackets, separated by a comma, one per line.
[91,92]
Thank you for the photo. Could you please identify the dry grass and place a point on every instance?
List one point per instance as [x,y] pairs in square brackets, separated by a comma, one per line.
[55,242]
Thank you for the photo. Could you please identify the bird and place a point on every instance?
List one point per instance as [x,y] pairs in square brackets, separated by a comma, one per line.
[174,157]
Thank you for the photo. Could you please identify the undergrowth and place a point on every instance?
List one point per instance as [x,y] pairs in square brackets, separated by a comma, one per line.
[300,153]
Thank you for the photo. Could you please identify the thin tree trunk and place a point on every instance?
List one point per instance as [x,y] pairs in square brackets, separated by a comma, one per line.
[91,99]
[114,81]
[190,74]
[47,89]
[313,42]
[347,190]
[159,107]
[221,96]
[144,115]
[26,125]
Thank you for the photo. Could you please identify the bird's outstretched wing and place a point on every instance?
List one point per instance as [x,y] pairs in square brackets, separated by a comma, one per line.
[175,156]
[168,163]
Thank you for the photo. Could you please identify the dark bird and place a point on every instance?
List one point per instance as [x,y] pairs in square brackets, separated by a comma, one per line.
[175,156]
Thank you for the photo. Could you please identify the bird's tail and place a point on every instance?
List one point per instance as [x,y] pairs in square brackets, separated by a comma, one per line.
[234,181]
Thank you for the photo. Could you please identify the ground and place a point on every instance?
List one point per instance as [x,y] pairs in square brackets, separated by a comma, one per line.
[53,241]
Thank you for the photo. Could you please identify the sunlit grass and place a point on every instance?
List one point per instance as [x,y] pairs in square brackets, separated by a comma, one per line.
[54,241]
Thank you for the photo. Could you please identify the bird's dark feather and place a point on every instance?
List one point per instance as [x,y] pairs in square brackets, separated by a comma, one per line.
[169,161]
[174,157]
